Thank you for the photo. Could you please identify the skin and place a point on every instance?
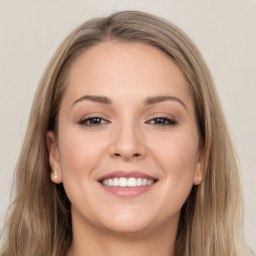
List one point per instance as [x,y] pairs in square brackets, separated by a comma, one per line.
[127,137]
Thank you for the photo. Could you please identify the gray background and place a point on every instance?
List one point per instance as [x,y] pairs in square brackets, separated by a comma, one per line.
[224,31]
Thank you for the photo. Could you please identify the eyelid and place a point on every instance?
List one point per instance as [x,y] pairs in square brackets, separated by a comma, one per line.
[170,122]
[89,116]
[160,115]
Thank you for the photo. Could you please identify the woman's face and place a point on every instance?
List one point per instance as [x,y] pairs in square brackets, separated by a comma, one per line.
[127,149]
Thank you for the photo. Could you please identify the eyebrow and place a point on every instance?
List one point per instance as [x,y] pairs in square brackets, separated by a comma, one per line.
[148,101]
[99,99]
[158,99]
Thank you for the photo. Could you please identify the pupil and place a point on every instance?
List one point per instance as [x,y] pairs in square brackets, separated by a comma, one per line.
[160,120]
[95,120]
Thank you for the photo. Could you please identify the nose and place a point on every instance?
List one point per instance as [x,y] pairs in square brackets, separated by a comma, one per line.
[128,143]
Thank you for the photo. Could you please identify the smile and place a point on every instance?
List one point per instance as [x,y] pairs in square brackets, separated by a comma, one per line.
[127,182]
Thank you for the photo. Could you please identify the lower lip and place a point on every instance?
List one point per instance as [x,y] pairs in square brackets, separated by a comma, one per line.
[127,191]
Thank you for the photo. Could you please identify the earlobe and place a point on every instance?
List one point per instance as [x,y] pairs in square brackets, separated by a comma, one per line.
[56,177]
[199,168]
[54,159]
[198,178]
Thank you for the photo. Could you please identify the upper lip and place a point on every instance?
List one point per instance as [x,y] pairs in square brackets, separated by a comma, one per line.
[126,174]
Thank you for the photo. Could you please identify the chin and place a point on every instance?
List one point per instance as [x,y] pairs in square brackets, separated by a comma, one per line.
[128,222]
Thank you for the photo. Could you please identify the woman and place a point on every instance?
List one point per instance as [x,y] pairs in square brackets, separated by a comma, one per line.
[127,151]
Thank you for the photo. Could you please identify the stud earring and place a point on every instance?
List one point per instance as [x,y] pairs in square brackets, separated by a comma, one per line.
[55,175]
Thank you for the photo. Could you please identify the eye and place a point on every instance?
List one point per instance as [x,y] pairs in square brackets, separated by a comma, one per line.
[162,121]
[93,121]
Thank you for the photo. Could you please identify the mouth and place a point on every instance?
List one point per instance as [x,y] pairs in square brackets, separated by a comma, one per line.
[127,183]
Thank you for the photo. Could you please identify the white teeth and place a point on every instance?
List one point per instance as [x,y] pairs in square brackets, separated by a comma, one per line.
[115,182]
[110,182]
[127,182]
[139,182]
[131,182]
[123,182]
[149,182]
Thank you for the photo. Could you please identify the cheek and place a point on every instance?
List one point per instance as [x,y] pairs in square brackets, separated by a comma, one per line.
[177,150]
[79,156]
[78,150]
[177,156]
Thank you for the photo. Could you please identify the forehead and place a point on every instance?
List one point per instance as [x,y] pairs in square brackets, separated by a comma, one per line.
[134,69]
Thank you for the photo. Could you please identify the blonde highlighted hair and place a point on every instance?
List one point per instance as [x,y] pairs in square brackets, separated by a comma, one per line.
[39,222]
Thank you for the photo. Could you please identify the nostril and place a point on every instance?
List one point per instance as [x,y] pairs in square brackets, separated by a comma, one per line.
[136,155]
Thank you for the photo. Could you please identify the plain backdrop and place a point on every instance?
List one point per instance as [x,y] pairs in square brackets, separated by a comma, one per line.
[224,31]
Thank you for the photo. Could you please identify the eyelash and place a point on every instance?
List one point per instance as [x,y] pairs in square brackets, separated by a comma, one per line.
[97,121]
[167,121]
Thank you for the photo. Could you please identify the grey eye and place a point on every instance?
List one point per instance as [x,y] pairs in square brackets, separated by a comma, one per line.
[92,121]
[162,121]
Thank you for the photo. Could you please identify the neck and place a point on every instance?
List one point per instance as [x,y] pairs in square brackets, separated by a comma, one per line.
[98,242]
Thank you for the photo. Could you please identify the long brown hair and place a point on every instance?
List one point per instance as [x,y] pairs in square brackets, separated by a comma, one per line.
[39,222]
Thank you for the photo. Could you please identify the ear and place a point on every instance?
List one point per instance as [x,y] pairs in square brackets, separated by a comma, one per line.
[54,157]
[199,166]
